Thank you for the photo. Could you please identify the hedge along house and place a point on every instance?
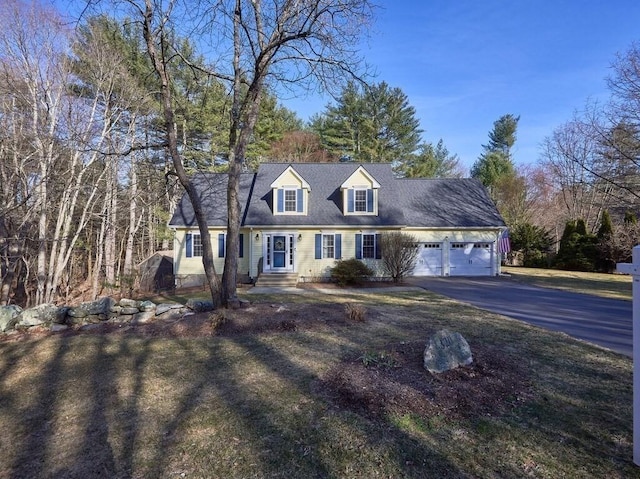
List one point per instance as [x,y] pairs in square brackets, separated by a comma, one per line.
[298,219]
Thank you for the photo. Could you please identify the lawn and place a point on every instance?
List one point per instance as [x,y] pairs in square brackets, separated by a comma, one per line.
[291,388]
[617,286]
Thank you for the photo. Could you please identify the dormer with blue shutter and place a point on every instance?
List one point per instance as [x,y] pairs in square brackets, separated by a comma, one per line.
[360,193]
[290,193]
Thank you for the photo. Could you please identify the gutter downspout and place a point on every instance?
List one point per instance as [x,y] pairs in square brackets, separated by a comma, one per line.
[251,253]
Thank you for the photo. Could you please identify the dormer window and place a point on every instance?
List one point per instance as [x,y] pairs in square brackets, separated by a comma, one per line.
[360,200]
[290,193]
[360,193]
[289,200]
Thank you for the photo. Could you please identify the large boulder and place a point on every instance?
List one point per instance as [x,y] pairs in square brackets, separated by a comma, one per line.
[61,315]
[445,351]
[42,314]
[8,316]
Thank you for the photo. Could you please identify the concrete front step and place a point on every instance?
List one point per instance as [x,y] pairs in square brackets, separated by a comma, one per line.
[278,280]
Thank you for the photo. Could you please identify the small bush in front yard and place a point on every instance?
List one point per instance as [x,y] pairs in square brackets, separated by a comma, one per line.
[217,319]
[350,272]
[355,312]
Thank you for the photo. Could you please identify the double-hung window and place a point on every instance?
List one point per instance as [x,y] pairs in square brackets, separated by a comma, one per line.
[328,246]
[194,245]
[368,246]
[197,245]
[360,200]
[289,200]
[290,197]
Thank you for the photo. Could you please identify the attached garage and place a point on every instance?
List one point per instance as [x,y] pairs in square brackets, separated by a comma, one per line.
[470,259]
[429,261]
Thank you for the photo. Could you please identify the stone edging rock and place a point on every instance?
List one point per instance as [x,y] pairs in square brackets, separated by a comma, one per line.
[102,310]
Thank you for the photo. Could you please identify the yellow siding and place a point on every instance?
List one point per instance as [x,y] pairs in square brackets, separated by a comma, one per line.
[188,266]
[307,267]
[288,178]
[358,178]
[453,236]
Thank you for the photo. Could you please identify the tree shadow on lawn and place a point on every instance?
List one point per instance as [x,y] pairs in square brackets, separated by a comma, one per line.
[80,394]
[252,402]
[107,432]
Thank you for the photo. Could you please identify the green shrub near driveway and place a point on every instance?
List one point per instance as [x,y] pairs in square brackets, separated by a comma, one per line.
[350,272]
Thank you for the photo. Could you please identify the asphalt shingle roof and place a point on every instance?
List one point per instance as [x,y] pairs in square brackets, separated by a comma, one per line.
[450,202]
[325,198]
[429,203]
[213,193]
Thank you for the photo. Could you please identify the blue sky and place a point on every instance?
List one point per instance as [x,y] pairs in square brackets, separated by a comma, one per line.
[464,63]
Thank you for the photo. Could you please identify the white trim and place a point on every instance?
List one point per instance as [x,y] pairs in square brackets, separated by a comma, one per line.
[290,252]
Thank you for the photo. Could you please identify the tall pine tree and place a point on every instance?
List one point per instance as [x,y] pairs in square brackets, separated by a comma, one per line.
[369,124]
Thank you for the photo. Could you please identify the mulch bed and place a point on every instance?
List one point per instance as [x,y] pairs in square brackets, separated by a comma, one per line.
[491,385]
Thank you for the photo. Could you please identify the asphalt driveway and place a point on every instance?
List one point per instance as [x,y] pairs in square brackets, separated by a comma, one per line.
[602,321]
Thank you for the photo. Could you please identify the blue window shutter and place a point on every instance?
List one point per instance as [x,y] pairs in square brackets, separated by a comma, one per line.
[280,201]
[318,246]
[300,204]
[350,201]
[241,254]
[358,246]
[189,244]
[369,201]
[221,245]
[338,246]
[377,245]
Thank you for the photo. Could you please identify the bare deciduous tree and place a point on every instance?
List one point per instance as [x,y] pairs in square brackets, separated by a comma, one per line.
[279,44]
[569,156]
[399,254]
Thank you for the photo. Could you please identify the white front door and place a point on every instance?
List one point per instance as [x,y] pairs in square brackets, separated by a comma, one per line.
[279,250]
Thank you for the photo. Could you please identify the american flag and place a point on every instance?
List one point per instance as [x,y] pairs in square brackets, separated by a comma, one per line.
[504,245]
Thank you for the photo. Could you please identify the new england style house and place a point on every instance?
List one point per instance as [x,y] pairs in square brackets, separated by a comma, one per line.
[300,218]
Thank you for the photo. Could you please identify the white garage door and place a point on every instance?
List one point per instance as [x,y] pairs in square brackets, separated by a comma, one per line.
[429,261]
[470,259]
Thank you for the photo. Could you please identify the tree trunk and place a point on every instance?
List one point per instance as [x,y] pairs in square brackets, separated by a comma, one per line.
[244,115]
[110,212]
[134,224]
[97,269]
[160,65]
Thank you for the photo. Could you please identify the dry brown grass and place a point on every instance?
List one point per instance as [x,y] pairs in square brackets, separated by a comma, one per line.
[617,286]
[256,399]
